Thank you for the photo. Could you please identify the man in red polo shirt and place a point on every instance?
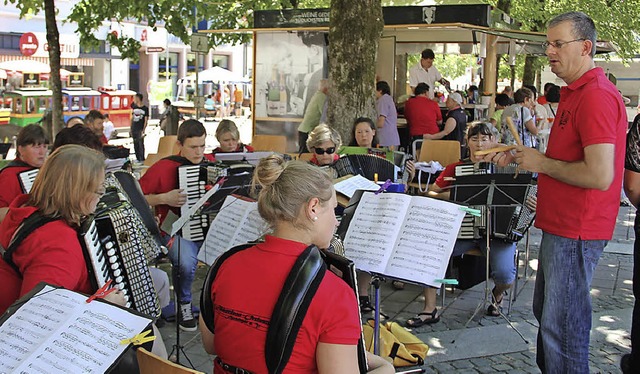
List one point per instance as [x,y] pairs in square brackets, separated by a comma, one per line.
[423,114]
[32,146]
[160,187]
[580,176]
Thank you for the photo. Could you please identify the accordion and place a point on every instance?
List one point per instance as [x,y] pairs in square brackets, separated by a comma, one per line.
[111,253]
[193,180]
[27,178]
[128,189]
[366,166]
[510,215]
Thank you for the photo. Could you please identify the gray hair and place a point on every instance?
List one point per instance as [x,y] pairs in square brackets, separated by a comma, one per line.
[322,133]
[582,27]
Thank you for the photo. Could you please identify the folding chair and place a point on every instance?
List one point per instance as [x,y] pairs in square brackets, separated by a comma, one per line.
[150,363]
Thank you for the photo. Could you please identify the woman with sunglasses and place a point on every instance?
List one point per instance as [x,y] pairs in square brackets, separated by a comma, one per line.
[324,142]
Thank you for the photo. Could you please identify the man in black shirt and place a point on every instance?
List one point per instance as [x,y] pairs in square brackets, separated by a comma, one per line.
[139,119]
[631,362]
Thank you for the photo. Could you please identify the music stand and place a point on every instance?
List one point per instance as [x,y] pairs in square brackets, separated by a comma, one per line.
[497,193]
[238,184]
[251,157]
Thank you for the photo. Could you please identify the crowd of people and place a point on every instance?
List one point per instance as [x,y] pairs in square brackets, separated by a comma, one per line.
[572,138]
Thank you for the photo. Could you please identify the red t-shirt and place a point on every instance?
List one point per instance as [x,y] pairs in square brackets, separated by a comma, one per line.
[422,115]
[52,254]
[10,184]
[162,177]
[245,292]
[590,112]
[448,172]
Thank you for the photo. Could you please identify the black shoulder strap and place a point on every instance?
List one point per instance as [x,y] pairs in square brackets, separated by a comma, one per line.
[206,304]
[290,309]
[29,225]
[179,159]
[292,305]
[14,164]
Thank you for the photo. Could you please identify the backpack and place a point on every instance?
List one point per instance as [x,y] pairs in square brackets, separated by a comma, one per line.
[397,343]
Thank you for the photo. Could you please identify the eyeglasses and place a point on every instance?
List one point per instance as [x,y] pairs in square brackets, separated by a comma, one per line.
[559,44]
[477,139]
[321,151]
[100,192]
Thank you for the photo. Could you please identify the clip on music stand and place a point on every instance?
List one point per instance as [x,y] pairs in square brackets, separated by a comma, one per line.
[494,191]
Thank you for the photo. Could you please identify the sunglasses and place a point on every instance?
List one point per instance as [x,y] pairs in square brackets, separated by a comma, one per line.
[321,151]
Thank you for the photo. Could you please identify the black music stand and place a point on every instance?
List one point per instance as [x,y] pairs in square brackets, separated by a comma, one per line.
[499,194]
[238,184]
[177,347]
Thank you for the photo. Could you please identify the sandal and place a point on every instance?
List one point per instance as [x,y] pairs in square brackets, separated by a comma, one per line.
[495,309]
[397,285]
[365,305]
[417,321]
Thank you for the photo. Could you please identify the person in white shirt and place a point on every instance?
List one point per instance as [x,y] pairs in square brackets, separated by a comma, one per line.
[108,127]
[425,72]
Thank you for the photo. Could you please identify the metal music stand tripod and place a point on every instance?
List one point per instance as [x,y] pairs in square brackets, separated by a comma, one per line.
[483,190]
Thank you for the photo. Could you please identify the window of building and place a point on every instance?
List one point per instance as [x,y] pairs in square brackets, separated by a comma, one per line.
[224,61]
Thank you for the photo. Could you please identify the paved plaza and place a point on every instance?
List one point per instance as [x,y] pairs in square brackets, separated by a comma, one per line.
[487,344]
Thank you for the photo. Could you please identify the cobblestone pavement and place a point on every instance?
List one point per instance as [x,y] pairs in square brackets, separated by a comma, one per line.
[489,344]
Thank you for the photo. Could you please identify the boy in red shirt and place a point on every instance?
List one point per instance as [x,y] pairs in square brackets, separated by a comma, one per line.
[160,187]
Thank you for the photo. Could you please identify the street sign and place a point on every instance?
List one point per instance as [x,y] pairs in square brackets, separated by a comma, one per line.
[154,50]
[28,44]
[200,43]
[198,101]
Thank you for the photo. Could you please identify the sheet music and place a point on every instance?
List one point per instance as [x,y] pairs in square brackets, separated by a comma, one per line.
[426,241]
[349,186]
[56,331]
[374,229]
[237,222]
[177,225]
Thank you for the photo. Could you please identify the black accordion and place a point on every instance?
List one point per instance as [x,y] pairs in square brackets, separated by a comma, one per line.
[27,178]
[366,166]
[510,215]
[112,253]
[195,180]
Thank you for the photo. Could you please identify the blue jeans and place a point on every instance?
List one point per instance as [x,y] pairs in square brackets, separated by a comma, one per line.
[562,303]
[186,264]
[501,257]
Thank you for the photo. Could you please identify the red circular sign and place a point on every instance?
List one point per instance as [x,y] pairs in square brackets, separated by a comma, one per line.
[28,44]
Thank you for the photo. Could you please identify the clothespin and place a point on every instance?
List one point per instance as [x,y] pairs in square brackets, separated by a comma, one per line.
[473,212]
[102,292]
[219,183]
[139,339]
[384,186]
[447,281]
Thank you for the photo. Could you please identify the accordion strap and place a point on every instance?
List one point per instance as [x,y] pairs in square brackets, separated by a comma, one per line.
[28,226]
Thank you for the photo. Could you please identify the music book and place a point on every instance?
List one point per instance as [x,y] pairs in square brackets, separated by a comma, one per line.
[237,222]
[348,186]
[54,330]
[404,237]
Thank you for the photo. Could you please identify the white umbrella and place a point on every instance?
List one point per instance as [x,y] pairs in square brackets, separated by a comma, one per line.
[218,74]
[27,66]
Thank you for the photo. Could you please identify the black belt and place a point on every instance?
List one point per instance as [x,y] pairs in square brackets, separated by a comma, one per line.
[230,368]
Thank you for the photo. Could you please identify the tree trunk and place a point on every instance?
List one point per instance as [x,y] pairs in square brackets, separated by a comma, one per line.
[529,74]
[55,83]
[512,78]
[354,33]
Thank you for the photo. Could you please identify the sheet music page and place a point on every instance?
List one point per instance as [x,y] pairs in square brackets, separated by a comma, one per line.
[56,331]
[374,228]
[426,241]
[237,222]
[349,186]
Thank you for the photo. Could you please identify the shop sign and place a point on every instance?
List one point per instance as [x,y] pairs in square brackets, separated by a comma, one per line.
[69,45]
[28,44]
[30,79]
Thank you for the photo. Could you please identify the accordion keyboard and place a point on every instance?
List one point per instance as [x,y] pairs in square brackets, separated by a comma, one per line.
[27,178]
